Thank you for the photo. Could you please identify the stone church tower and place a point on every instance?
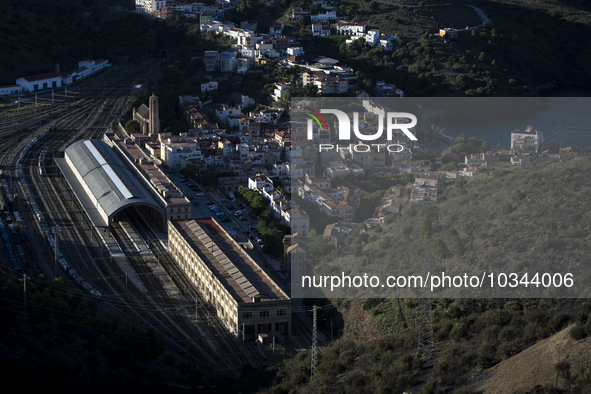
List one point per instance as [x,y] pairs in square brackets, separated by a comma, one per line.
[154,125]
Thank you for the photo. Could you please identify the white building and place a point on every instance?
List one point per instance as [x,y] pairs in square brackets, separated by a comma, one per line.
[328,15]
[280,90]
[247,39]
[350,28]
[243,64]
[224,112]
[76,74]
[174,153]
[295,51]
[187,7]
[208,87]
[40,81]
[528,139]
[276,29]
[387,42]
[94,65]
[372,37]
[388,89]
[320,30]
[10,89]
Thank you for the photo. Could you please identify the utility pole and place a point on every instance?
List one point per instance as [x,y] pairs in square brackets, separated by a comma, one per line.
[425,320]
[314,340]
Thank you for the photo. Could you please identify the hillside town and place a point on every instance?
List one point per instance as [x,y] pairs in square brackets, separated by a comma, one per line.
[263,152]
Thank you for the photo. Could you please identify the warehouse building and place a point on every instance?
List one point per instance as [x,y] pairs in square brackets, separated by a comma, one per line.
[245,297]
[33,83]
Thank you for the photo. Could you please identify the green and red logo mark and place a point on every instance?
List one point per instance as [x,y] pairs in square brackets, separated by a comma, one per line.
[317,117]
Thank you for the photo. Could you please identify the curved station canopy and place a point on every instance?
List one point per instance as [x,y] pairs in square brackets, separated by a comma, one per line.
[103,182]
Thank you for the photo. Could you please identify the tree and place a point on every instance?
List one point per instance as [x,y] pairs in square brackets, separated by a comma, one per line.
[462,81]
[451,166]
[485,147]
[438,248]
[178,126]
[132,126]
[245,8]
[373,6]
[305,21]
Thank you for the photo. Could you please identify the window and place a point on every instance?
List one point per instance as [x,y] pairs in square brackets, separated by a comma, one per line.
[44,85]
[247,315]
[264,313]
[54,84]
[35,87]
[186,209]
[281,312]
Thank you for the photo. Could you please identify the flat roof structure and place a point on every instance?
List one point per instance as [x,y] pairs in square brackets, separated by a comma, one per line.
[235,269]
[151,173]
[244,296]
[102,181]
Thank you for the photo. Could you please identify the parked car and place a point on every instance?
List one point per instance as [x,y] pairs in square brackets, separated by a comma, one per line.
[242,218]
[237,213]
[200,194]
[224,200]
[230,207]
[209,203]
[259,241]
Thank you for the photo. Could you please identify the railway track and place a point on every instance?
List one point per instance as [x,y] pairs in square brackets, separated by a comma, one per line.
[205,340]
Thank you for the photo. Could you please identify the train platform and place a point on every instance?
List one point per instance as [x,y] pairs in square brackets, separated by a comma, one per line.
[136,239]
[111,245]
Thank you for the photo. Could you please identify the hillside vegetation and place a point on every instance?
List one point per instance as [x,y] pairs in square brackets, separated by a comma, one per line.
[535,217]
[528,43]
[537,214]
[470,336]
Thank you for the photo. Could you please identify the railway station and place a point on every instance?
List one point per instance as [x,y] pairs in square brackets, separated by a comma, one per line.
[106,179]
[123,192]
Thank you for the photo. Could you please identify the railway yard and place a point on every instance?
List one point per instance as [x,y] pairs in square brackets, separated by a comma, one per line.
[45,230]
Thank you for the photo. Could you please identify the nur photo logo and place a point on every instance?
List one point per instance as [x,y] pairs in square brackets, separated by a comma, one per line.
[403,121]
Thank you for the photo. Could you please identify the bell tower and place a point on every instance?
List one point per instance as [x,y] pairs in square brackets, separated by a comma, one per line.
[154,117]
